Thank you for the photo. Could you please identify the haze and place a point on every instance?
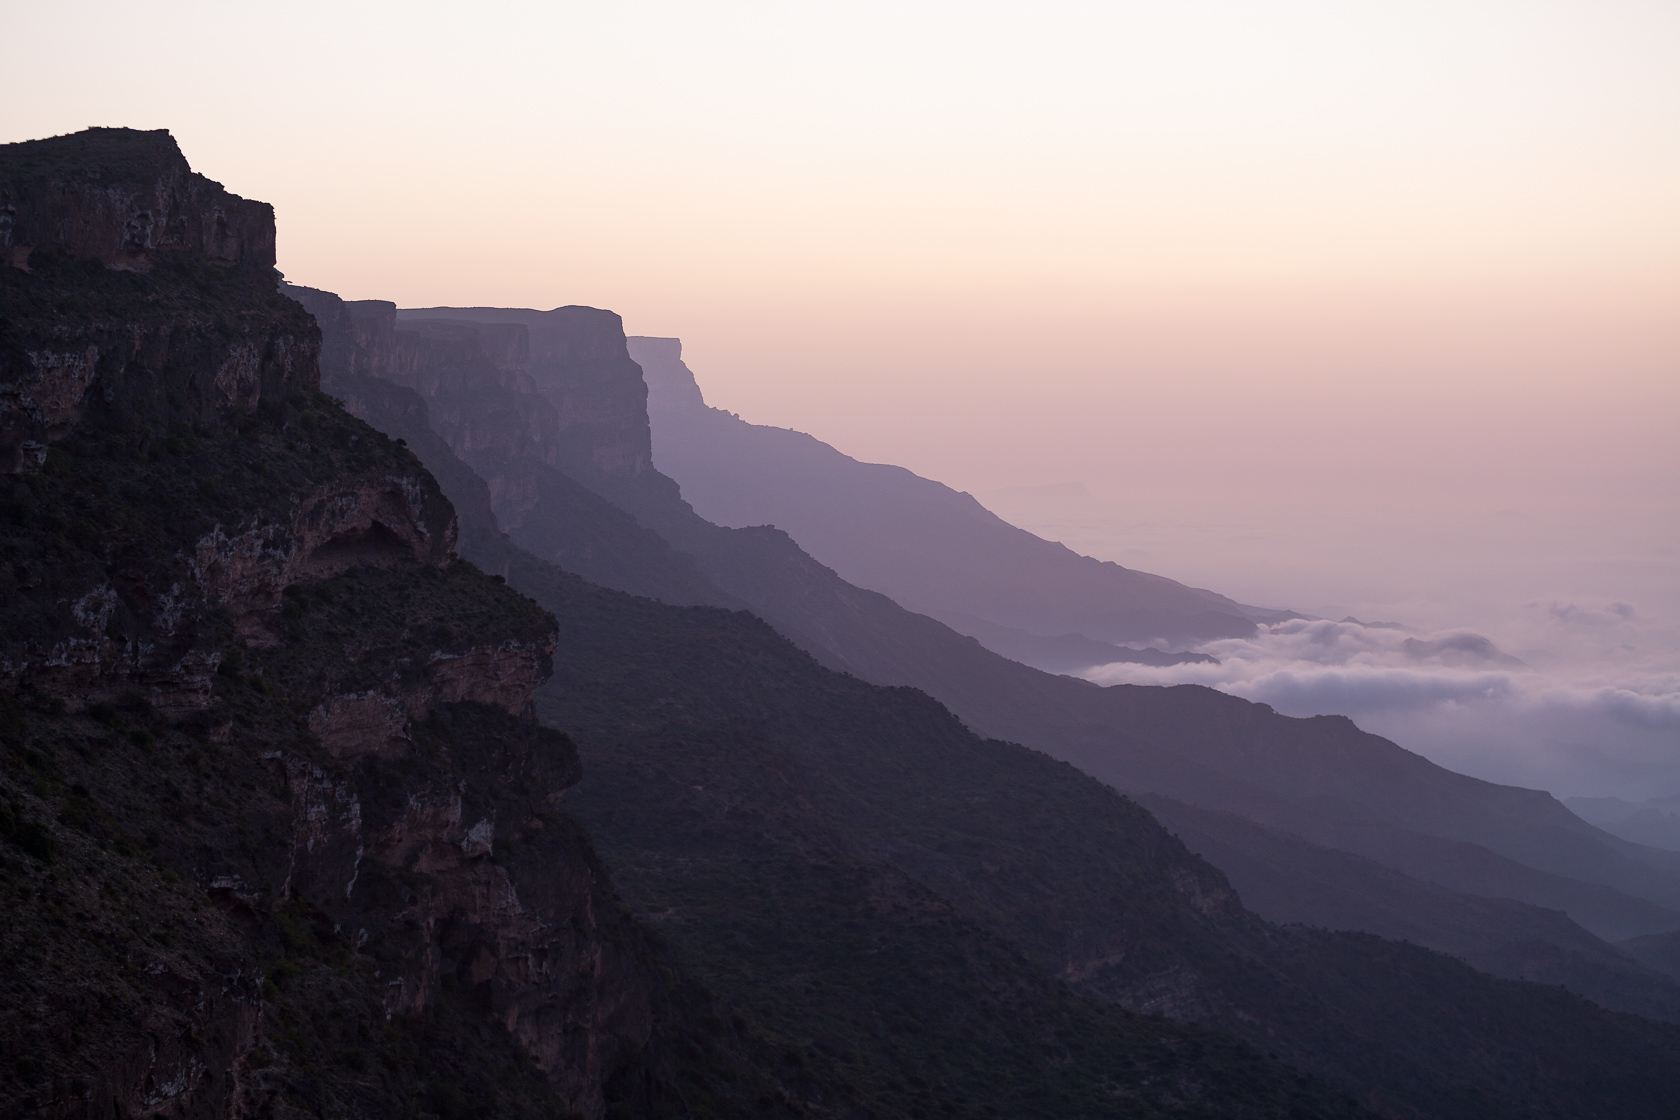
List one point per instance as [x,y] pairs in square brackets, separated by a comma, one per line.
[1320,305]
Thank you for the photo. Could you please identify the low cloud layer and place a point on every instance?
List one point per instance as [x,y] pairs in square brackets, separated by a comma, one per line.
[1577,699]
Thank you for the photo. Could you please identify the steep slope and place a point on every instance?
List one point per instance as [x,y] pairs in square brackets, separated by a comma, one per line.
[927,546]
[278,834]
[756,804]
[1660,951]
[1322,779]
[864,519]
[1654,822]
[481,400]
[751,802]
[1016,1035]
[1287,879]
[579,363]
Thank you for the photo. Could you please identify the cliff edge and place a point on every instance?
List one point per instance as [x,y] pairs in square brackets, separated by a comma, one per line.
[279,833]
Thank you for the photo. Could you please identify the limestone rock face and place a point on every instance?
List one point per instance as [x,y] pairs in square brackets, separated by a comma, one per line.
[580,364]
[523,927]
[197,346]
[147,633]
[126,198]
[287,735]
[462,394]
[380,521]
[208,337]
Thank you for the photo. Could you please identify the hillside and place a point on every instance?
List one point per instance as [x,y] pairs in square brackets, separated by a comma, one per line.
[278,834]
[784,825]
[1043,1050]
[1289,880]
[791,830]
[928,547]
[1321,779]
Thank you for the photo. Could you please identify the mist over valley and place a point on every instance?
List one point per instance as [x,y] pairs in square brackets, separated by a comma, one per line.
[659,562]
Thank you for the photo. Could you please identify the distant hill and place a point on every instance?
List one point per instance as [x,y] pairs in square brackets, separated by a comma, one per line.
[838,859]
[929,547]
[1655,821]
[1287,879]
[1322,779]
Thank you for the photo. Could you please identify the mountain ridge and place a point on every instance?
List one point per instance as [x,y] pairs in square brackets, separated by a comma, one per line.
[927,546]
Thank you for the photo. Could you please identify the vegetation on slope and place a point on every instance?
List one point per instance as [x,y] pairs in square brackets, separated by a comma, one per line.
[746,798]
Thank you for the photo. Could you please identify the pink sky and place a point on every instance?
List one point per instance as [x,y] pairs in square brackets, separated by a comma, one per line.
[1321,302]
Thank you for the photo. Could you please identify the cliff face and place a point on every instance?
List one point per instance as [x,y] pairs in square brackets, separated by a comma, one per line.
[82,340]
[180,380]
[278,834]
[471,385]
[580,364]
[127,199]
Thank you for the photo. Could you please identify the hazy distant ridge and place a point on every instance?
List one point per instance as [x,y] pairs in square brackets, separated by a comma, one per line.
[930,547]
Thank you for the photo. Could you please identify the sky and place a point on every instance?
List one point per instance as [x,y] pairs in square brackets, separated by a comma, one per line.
[1320,304]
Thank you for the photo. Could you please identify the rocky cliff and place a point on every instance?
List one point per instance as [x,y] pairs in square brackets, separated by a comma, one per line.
[279,835]
[128,200]
[474,387]
[83,218]
[580,363]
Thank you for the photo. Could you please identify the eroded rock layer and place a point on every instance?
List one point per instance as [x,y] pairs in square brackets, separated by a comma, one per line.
[279,835]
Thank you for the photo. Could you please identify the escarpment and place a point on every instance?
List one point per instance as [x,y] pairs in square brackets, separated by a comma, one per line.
[80,215]
[128,199]
[279,834]
[476,388]
[194,470]
[581,364]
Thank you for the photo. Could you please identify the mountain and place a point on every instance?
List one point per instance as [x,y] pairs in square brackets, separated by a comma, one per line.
[1322,779]
[679,702]
[849,864]
[928,547]
[279,835]
[1350,791]
[1058,1054]
[482,400]
[1654,822]
[1290,880]
[788,827]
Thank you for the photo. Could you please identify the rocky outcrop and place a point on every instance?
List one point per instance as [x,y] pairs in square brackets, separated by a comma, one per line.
[279,834]
[178,384]
[128,199]
[498,900]
[79,339]
[149,633]
[477,383]
[462,394]
[580,364]
[475,378]
[383,522]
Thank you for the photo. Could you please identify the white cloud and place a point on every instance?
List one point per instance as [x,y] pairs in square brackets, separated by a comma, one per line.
[1592,708]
